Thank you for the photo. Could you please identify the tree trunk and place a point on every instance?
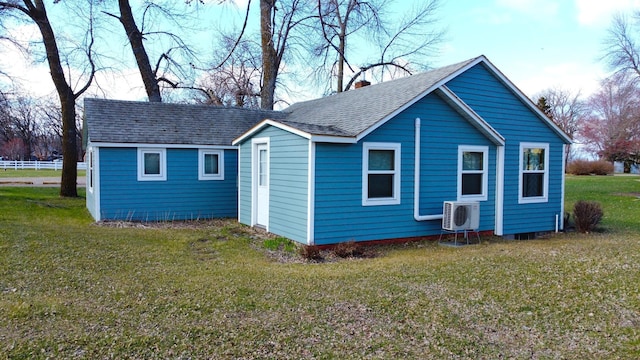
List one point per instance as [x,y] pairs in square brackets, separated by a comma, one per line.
[270,62]
[139,52]
[68,186]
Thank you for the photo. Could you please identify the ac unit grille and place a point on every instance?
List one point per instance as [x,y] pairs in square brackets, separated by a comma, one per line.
[460,215]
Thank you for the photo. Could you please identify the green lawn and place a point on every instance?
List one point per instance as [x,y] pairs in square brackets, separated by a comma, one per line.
[72,289]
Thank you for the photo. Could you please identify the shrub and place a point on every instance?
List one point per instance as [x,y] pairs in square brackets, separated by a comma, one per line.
[587,167]
[587,215]
[347,249]
[311,252]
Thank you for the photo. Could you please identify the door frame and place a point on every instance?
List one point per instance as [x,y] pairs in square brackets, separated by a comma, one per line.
[255,163]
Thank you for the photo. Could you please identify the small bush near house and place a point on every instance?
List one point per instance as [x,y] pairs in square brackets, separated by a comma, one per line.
[347,249]
[587,215]
[311,252]
[587,167]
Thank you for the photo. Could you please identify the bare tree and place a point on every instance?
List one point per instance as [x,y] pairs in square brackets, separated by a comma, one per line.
[341,20]
[565,109]
[278,21]
[135,37]
[622,51]
[172,62]
[25,124]
[612,127]
[237,81]
[35,11]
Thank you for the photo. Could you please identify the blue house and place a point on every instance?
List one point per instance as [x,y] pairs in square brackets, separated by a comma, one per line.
[163,162]
[374,163]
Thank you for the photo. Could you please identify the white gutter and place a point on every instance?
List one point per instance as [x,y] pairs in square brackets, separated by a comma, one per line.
[416,182]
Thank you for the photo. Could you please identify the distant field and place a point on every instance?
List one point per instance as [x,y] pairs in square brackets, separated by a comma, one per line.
[10,173]
[209,290]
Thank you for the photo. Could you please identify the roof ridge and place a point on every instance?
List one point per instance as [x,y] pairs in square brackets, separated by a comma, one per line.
[160,104]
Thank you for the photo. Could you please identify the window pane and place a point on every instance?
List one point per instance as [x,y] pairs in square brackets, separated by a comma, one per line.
[152,164]
[380,185]
[471,184]
[532,184]
[211,164]
[262,167]
[533,159]
[381,160]
[472,161]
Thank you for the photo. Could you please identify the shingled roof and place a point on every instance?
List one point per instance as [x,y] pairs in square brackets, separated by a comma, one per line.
[352,112]
[135,122]
[346,114]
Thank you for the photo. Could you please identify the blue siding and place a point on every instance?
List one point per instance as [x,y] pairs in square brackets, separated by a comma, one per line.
[288,183]
[517,123]
[244,183]
[181,197]
[339,214]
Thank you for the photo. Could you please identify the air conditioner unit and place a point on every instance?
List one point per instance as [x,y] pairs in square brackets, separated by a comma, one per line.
[459,215]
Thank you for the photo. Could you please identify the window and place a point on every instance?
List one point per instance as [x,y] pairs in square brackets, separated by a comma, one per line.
[381,174]
[210,164]
[152,165]
[472,172]
[90,174]
[534,172]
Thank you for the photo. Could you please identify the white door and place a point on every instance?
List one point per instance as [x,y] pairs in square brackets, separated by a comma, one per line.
[261,181]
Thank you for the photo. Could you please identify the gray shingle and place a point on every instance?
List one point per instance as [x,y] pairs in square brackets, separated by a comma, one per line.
[345,114]
[352,112]
[115,121]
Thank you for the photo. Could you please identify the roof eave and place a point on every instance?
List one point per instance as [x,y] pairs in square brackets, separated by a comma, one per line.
[476,120]
[321,138]
[430,89]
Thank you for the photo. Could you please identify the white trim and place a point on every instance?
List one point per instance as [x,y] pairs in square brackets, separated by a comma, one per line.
[239,183]
[311,182]
[545,191]
[476,120]
[90,174]
[255,142]
[96,182]
[485,172]
[420,96]
[201,157]
[563,174]
[162,176]
[416,180]
[525,99]
[499,219]
[315,138]
[396,172]
[164,146]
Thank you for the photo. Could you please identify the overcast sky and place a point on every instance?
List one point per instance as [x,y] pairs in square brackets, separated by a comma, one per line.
[537,44]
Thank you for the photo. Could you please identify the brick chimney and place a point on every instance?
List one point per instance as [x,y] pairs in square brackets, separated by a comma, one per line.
[361,83]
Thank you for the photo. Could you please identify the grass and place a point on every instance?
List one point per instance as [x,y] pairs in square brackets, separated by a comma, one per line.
[11,173]
[619,195]
[72,289]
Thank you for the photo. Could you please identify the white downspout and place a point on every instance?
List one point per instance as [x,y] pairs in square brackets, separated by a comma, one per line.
[416,181]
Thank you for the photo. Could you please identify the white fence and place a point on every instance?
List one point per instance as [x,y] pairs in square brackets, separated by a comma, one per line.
[37,165]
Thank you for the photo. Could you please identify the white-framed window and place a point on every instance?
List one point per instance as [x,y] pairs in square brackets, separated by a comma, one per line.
[473,172]
[152,164]
[90,174]
[210,164]
[380,174]
[533,184]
